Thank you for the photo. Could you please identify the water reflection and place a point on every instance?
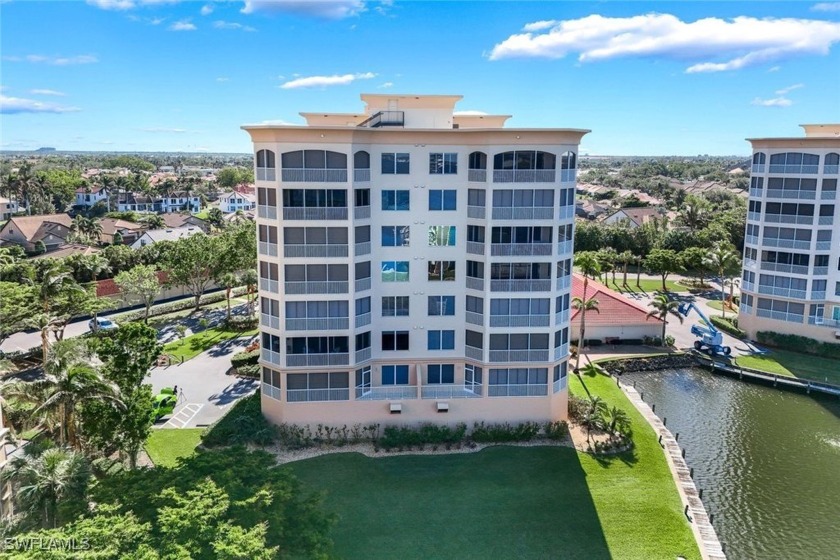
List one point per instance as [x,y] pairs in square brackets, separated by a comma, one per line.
[768,461]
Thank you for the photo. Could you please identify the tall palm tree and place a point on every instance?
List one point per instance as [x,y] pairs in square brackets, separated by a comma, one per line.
[662,307]
[731,283]
[722,259]
[229,281]
[637,260]
[56,283]
[46,480]
[625,258]
[589,265]
[152,221]
[250,279]
[593,417]
[617,421]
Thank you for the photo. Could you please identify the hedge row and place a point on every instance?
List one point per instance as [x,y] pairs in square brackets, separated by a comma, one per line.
[798,343]
[245,359]
[180,305]
[728,326]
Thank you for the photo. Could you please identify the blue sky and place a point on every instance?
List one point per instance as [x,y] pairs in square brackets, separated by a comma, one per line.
[649,78]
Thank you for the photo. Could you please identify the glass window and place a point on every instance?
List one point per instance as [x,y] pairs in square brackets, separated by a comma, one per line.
[395,375]
[441,306]
[440,373]
[396,200]
[395,236]
[442,199]
[395,306]
[478,160]
[395,340]
[395,271]
[442,236]
[441,340]
[446,163]
[395,163]
[441,271]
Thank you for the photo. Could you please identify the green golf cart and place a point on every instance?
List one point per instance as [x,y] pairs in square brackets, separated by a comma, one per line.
[164,403]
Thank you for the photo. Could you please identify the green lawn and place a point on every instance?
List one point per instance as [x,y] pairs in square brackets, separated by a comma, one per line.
[794,364]
[166,446]
[203,215]
[506,502]
[193,345]
[644,285]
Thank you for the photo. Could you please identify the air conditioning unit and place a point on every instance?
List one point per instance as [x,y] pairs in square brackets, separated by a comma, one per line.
[837,334]
[396,408]
[443,407]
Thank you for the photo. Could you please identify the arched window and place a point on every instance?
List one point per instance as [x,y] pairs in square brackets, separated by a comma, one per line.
[832,164]
[477,170]
[759,158]
[524,166]
[794,162]
[361,166]
[314,166]
[266,165]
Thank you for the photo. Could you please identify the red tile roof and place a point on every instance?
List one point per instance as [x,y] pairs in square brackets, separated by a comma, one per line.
[613,308]
[109,287]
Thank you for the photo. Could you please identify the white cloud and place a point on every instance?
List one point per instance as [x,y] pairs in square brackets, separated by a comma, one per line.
[164,130]
[231,25]
[324,81]
[774,68]
[826,7]
[47,92]
[386,85]
[53,60]
[207,9]
[327,9]
[787,90]
[182,26]
[16,105]
[725,44]
[122,5]
[222,79]
[774,102]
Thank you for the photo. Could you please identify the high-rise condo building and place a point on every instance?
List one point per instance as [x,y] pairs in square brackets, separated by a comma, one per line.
[791,279]
[415,265]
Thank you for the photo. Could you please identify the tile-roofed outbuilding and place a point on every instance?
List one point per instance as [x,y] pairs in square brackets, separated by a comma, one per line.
[613,308]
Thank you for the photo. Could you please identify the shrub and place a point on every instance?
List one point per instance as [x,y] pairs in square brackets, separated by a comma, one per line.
[396,437]
[669,340]
[245,359]
[577,408]
[501,433]
[180,305]
[798,343]
[728,325]
[243,424]
[249,370]
[556,431]
[241,323]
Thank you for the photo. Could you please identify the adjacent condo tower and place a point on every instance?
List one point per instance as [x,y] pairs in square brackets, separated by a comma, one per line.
[791,278]
[415,265]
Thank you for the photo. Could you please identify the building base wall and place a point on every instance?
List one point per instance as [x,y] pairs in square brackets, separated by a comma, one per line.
[752,324]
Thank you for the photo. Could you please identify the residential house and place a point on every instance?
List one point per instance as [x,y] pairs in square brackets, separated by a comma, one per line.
[88,196]
[634,217]
[8,208]
[233,201]
[129,231]
[26,231]
[590,210]
[168,234]
[618,319]
[68,250]
[179,220]
[179,201]
[136,202]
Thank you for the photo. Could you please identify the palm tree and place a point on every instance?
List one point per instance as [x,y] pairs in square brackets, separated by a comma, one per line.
[593,417]
[216,218]
[722,259]
[229,281]
[250,279]
[625,258]
[46,480]
[152,221]
[589,265]
[662,307]
[731,283]
[56,283]
[637,260]
[617,421]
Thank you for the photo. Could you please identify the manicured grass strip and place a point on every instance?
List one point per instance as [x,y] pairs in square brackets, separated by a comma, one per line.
[648,285]
[165,446]
[716,304]
[194,345]
[794,364]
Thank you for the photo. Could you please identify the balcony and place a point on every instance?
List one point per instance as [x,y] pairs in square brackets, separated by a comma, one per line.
[781,267]
[474,353]
[477,212]
[780,315]
[566,213]
[308,251]
[318,324]
[561,318]
[817,296]
[270,321]
[297,175]
[565,247]
[519,249]
[362,248]
[559,385]
[362,284]
[361,175]
[825,221]
[785,219]
[384,118]
[475,283]
[823,245]
[568,175]
[271,357]
[520,320]
[390,393]
[337,359]
[338,213]
[789,193]
[475,318]
[823,321]
[267,212]
[786,243]
[747,286]
[523,175]
[518,355]
[831,169]
[316,395]
[795,169]
[746,309]
[754,216]
[267,249]
[828,195]
[536,390]
[520,285]
[756,193]
[450,391]
[758,168]
[477,175]
[475,248]
[781,292]
[266,174]
[361,212]
[362,320]
[273,392]
[751,239]
[820,271]
[564,282]
[298,288]
[561,352]
[362,355]
[530,213]
[267,285]
[750,263]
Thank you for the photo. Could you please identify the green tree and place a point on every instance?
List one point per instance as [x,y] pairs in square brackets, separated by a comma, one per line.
[118,238]
[250,279]
[120,257]
[723,260]
[216,218]
[663,262]
[140,284]
[57,294]
[39,248]
[617,421]
[152,221]
[588,263]
[228,281]
[230,177]
[194,263]
[662,307]
[18,302]
[694,260]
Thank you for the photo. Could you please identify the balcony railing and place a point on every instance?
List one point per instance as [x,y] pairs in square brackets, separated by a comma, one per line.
[524,175]
[758,168]
[361,212]
[748,309]
[316,395]
[271,391]
[794,169]
[566,213]
[474,353]
[520,320]
[754,216]
[271,357]
[314,175]
[750,263]
[296,288]
[536,390]
[564,247]
[476,212]
[825,221]
[828,195]
[362,284]
[823,245]
[362,320]
[823,321]
[530,213]
[362,248]
[475,283]
[786,243]
[789,193]
[561,351]
[337,359]
[559,385]
[475,248]
[831,169]
[361,175]
[315,250]
[780,315]
[756,193]
[820,271]
[267,212]
[449,392]
[270,321]
[337,213]
[384,118]
[782,267]
[781,292]
[518,355]
[817,296]
[391,393]
[474,318]
[751,239]
[786,219]
[267,285]
[520,285]
[568,175]
[561,317]
[318,324]
[266,174]
[747,286]
[564,282]
[268,249]
[519,249]
[362,355]
[477,175]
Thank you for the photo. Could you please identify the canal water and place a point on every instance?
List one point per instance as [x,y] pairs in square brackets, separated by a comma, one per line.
[768,460]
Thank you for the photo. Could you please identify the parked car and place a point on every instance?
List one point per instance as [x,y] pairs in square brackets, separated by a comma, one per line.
[164,403]
[102,324]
